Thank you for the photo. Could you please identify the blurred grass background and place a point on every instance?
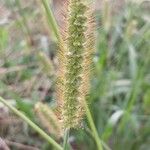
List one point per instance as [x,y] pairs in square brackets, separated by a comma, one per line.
[120,93]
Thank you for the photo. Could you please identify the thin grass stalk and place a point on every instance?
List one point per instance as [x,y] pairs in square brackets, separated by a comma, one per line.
[32,124]
[54,26]
[105,146]
[93,128]
[51,20]
[66,137]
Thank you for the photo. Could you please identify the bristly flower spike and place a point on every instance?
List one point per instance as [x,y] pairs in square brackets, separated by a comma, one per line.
[75,62]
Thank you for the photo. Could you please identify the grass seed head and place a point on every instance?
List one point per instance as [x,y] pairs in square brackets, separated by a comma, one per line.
[75,67]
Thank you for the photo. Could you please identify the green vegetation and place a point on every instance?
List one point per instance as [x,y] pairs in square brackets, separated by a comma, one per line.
[117,114]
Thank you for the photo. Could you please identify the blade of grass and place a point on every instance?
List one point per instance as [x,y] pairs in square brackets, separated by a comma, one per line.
[32,124]
[53,24]
[51,19]
[93,128]
[106,147]
[130,100]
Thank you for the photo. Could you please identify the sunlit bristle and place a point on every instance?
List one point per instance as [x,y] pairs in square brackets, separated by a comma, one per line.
[75,67]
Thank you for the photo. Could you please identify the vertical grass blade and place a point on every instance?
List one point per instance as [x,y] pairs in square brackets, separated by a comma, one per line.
[51,19]
[95,133]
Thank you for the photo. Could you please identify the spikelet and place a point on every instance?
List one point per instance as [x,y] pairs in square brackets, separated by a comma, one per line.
[75,62]
[45,63]
[87,63]
[48,119]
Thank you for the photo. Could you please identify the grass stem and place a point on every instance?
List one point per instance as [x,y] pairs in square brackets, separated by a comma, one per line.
[93,128]
[51,19]
[32,124]
[66,137]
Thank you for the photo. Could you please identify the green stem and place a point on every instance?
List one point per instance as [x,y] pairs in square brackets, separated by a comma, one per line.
[66,137]
[51,19]
[53,24]
[33,125]
[93,128]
